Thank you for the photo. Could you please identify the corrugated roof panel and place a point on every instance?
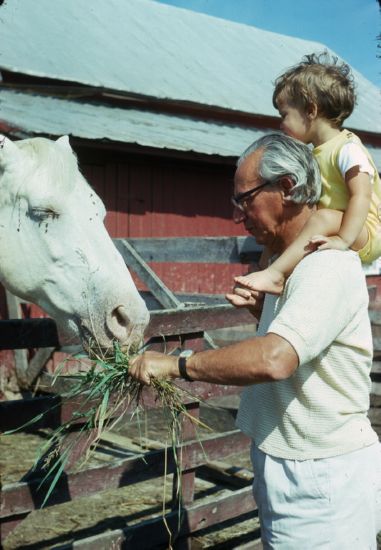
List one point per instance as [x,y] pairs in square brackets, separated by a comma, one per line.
[45,115]
[152,49]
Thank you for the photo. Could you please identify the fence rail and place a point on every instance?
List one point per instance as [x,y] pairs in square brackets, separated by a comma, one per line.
[193,323]
[184,322]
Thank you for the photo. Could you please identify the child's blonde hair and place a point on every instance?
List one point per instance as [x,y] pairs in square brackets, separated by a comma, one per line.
[321,80]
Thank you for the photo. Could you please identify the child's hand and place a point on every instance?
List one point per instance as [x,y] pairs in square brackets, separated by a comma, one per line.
[321,242]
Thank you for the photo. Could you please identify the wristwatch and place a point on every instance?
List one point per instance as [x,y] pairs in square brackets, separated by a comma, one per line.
[182,362]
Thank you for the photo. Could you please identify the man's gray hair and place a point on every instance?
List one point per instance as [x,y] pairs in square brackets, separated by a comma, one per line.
[286,156]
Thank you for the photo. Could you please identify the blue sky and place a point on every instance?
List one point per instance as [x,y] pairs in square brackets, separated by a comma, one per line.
[349,27]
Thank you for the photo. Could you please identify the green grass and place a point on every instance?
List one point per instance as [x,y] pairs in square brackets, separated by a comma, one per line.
[102,394]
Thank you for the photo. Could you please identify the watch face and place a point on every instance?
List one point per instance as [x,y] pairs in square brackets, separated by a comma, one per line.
[186,353]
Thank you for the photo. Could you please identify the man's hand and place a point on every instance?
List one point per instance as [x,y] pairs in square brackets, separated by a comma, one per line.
[250,299]
[153,364]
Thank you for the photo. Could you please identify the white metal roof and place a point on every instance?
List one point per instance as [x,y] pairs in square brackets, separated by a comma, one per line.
[45,115]
[56,117]
[151,49]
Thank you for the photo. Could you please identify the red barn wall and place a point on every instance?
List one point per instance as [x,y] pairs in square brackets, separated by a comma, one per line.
[158,197]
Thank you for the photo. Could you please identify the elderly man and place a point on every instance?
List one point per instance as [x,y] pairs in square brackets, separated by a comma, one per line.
[316,458]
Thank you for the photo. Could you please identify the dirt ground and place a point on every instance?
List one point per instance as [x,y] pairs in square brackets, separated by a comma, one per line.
[62,524]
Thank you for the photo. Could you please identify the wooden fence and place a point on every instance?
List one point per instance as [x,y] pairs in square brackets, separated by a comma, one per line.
[181,320]
[184,321]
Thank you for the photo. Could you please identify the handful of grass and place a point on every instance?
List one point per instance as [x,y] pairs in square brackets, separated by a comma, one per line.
[104,392]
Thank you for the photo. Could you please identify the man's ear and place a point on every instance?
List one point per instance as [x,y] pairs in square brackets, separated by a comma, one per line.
[286,184]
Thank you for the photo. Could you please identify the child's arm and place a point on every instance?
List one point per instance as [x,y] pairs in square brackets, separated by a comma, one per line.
[338,230]
[352,232]
[325,229]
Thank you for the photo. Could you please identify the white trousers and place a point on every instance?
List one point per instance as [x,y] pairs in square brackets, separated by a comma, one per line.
[326,504]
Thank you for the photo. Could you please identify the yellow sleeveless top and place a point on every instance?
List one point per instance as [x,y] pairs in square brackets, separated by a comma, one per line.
[335,193]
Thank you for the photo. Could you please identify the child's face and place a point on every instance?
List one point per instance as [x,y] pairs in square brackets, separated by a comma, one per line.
[295,122]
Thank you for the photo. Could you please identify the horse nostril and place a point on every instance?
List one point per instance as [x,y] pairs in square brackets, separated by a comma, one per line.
[119,315]
[126,326]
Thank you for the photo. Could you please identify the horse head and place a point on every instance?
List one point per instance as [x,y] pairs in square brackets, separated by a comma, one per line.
[55,250]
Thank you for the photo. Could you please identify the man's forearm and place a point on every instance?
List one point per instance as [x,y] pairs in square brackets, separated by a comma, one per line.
[260,359]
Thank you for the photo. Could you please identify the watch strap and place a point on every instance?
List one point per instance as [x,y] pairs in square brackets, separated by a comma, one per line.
[182,363]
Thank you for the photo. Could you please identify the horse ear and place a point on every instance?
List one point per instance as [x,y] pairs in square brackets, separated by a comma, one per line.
[64,142]
[7,148]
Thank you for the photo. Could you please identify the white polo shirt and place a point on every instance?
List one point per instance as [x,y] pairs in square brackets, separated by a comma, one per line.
[321,410]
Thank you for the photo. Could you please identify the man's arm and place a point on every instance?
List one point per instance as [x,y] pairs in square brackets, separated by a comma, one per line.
[260,359]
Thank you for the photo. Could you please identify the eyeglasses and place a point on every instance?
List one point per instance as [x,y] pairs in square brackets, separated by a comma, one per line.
[239,200]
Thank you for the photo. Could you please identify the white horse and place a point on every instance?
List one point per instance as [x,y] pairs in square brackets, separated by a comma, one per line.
[55,250]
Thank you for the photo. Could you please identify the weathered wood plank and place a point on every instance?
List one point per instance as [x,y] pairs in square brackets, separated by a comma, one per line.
[375,316]
[196,319]
[7,526]
[16,413]
[147,275]
[119,442]
[19,498]
[159,290]
[376,367]
[187,478]
[35,366]
[252,545]
[42,333]
[375,399]
[219,250]
[28,333]
[152,532]
[26,370]
[375,416]
[217,470]
[375,373]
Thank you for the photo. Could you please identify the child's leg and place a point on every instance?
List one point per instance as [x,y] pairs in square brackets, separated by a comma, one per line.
[326,242]
[245,297]
[322,222]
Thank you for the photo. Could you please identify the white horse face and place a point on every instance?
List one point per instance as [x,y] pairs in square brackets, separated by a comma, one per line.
[55,250]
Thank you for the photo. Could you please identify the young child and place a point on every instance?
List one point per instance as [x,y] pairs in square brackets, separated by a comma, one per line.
[313,99]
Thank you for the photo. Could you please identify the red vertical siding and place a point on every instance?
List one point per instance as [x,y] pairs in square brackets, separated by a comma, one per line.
[159,198]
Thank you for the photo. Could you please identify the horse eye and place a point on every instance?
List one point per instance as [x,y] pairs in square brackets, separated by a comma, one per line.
[41,214]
